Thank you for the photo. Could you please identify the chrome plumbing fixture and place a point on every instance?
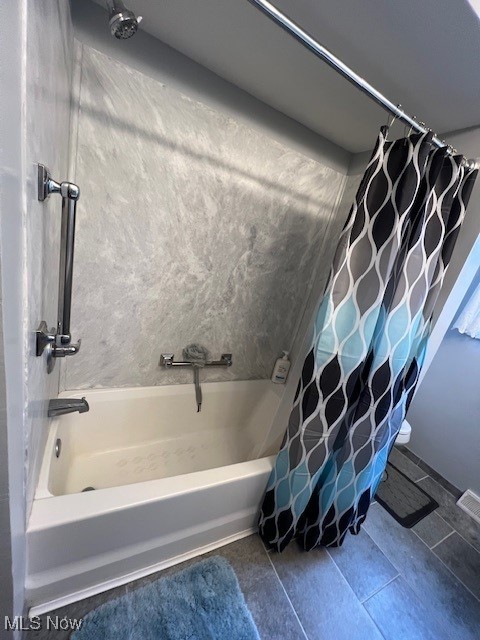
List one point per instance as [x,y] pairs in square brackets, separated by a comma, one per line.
[57,341]
[123,22]
[61,406]
[167,361]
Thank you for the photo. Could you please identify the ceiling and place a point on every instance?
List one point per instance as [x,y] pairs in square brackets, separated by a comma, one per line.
[425,55]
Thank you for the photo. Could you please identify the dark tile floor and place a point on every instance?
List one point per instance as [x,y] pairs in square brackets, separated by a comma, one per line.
[386,583]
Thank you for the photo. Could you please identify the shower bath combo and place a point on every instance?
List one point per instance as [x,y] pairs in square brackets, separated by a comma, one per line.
[193,484]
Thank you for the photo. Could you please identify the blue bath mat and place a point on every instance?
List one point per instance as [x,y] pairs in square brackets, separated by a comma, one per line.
[202,602]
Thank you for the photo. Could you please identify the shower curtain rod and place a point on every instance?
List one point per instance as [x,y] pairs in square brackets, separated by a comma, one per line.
[340,67]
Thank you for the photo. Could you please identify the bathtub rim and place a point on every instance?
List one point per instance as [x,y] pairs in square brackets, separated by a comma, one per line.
[56,510]
[42,490]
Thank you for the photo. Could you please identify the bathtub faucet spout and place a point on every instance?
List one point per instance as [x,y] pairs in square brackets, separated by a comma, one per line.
[60,406]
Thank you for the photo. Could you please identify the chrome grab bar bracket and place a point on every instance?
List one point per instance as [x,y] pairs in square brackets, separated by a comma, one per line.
[226,359]
[166,359]
[57,342]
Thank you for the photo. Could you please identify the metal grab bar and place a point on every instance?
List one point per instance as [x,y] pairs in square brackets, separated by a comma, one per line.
[58,340]
[70,194]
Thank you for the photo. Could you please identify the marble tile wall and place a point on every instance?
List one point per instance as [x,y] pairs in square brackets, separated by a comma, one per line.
[191,227]
[304,335]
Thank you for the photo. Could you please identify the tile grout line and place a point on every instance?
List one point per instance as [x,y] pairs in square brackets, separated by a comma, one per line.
[408,458]
[381,588]
[353,592]
[420,479]
[428,475]
[371,618]
[376,590]
[439,484]
[454,530]
[444,538]
[443,563]
[451,526]
[456,577]
[285,592]
[464,539]
[400,574]
[438,558]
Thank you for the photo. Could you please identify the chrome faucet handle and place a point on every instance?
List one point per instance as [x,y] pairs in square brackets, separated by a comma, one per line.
[166,359]
[227,359]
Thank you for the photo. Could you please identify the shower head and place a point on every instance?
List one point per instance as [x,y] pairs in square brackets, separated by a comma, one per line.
[123,22]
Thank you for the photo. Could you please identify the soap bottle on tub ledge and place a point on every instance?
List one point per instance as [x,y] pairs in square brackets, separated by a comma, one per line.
[280,370]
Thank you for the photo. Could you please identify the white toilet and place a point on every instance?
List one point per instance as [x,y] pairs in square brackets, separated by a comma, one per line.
[404,433]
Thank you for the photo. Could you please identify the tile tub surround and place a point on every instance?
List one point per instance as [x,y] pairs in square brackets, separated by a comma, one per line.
[191,227]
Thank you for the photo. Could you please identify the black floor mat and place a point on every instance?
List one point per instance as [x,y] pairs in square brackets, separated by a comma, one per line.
[403,499]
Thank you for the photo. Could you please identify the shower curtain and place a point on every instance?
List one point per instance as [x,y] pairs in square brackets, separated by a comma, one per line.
[369,342]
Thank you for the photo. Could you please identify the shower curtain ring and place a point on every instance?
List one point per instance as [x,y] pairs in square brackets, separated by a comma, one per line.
[411,127]
[391,121]
[422,124]
[406,134]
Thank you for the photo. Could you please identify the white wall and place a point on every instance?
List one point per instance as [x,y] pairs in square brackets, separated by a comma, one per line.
[35,52]
[445,413]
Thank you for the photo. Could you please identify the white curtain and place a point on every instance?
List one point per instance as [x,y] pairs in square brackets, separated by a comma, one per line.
[469,320]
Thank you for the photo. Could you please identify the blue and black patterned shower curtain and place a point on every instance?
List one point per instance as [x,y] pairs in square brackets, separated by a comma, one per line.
[370,338]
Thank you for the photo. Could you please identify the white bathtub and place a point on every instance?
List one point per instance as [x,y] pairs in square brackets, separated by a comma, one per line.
[169,484]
